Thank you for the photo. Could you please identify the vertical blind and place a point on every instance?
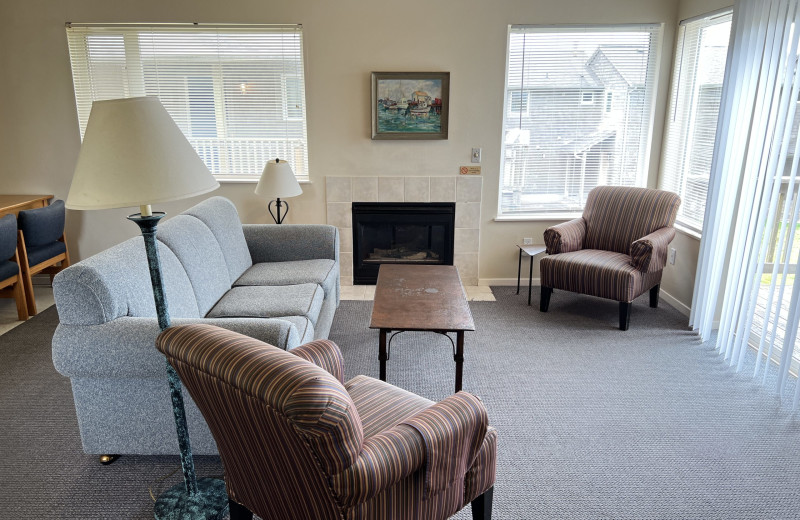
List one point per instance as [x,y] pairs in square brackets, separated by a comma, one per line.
[578,113]
[698,70]
[237,92]
[750,245]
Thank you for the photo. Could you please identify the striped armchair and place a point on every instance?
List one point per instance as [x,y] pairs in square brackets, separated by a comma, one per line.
[616,250]
[298,442]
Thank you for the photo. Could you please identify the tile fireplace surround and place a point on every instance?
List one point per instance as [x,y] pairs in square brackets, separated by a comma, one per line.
[341,192]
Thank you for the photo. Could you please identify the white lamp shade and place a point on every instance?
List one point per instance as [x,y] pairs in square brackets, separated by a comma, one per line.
[134,154]
[278,181]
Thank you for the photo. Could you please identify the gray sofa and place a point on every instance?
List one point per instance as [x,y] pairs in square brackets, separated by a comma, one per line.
[279,284]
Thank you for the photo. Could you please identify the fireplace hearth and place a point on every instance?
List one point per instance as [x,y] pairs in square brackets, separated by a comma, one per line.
[400,233]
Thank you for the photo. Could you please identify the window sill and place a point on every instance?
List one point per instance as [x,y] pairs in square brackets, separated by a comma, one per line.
[549,217]
[249,180]
[688,232]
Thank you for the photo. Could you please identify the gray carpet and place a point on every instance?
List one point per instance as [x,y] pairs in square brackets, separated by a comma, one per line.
[592,422]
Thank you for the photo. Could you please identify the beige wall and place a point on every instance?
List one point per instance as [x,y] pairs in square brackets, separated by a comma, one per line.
[344,41]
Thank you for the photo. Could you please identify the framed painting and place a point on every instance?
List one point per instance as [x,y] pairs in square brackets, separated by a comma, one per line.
[410,105]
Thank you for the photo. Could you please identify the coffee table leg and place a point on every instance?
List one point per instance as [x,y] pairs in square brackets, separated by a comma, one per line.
[519,268]
[459,358]
[382,353]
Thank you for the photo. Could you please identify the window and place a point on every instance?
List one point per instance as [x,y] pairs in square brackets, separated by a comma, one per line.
[571,137]
[692,119]
[236,92]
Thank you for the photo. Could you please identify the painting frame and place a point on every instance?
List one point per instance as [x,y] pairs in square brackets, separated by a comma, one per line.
[437,106]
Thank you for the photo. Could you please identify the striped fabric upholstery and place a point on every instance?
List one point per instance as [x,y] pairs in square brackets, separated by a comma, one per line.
[296,443]
[565,237]
[597,273]
[649,254]
[323,353]
[624,250]
[616,216]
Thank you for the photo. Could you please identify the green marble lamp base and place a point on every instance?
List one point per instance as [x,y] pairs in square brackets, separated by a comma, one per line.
[209,503]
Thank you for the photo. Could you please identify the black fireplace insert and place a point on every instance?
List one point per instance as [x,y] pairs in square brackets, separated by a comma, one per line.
[400,233]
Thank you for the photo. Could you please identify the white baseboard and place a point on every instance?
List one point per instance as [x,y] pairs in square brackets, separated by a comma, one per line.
[680,306]
[507,281]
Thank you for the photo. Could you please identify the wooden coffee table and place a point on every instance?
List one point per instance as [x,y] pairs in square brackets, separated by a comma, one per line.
[422,298]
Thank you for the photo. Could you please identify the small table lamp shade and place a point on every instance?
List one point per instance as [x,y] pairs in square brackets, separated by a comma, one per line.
[133,154]
[278,181]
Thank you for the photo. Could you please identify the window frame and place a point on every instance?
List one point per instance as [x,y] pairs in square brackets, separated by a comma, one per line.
[678,81]
[234,156]
[599,99]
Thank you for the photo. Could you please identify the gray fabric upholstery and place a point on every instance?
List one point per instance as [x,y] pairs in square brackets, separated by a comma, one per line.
[105,341]
[125,347]
[304,327]
[114,420]
[201,256]
[321,271]
[270,301]
[291,242]
[116,282]
[219,214]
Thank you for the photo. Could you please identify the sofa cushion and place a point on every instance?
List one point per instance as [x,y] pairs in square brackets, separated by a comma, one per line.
[270,302]
[320,271]
[598,273]
[221,217]
[201,256]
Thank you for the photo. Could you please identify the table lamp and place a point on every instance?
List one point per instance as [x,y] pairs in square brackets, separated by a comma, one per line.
[278,180]
[133,154]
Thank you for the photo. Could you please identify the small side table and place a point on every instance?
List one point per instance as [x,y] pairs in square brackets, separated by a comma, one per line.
[530,250]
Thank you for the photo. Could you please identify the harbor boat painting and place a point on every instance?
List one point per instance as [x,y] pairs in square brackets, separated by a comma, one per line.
[410,105]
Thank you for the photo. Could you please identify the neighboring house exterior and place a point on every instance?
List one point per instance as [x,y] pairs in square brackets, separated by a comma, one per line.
[573,129]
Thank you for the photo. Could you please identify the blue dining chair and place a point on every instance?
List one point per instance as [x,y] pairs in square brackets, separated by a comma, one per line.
[42,245]
[11,285]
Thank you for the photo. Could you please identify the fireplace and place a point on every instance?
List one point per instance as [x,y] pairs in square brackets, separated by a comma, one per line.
[400,233]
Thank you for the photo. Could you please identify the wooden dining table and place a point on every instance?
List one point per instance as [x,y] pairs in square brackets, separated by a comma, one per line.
[16,203]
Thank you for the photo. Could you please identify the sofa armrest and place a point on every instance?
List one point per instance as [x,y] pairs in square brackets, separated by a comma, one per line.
[649,253]
[126,347]
[286,242]
[565,237]
[325,354]
[384,460]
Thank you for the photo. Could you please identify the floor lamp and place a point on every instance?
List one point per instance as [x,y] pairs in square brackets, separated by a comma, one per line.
[133,154]
[278,180]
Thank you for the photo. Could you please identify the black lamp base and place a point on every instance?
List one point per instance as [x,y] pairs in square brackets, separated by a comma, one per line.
[209,503]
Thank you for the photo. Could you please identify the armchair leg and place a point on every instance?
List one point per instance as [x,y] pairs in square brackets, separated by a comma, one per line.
[481,506]
[238,511]
[624,315]
[544,301]
[654,296]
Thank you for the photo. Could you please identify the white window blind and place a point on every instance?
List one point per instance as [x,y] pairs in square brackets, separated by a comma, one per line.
[578,114]
[237,92]
[692,119]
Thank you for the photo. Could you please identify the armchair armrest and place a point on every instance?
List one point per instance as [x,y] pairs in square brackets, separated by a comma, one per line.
[453,431]
[649,253]
[268,243]
[323,353]
[565,237]
[384,460]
